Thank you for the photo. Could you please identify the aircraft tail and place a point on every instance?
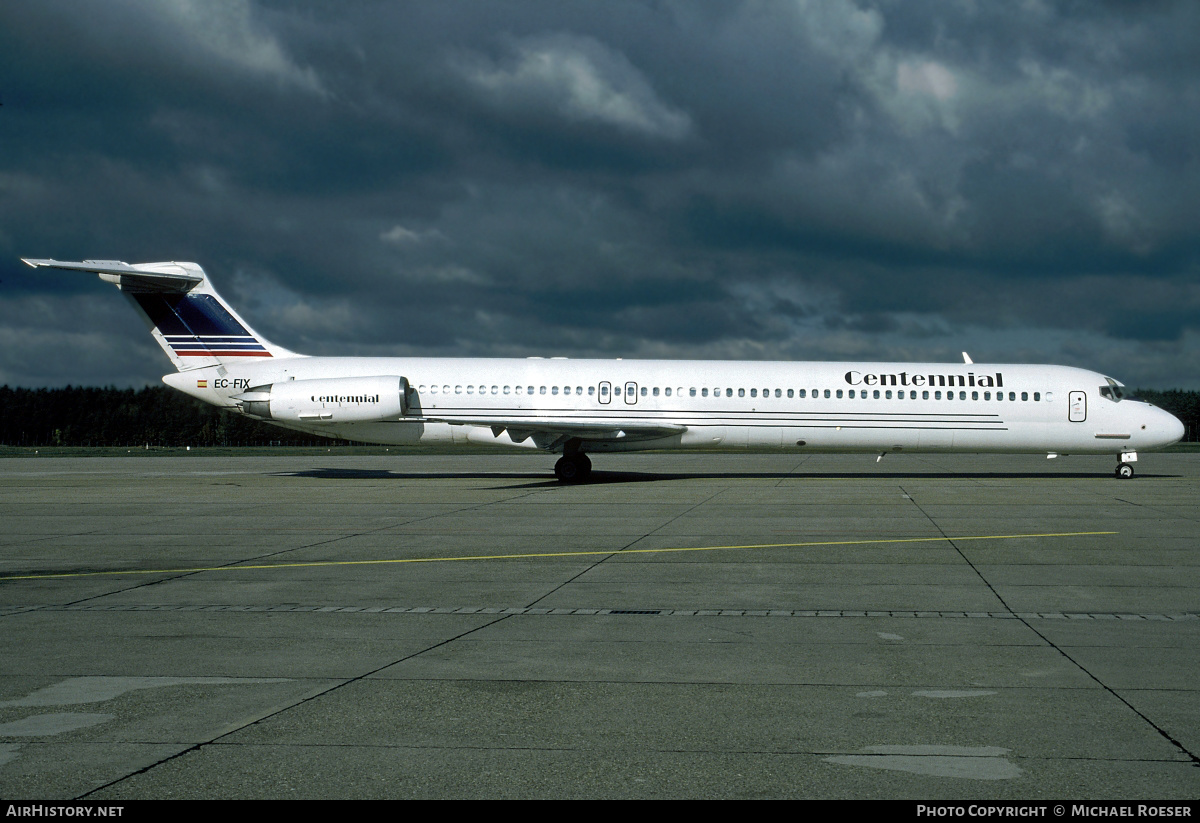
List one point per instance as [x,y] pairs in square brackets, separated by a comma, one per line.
[190,321]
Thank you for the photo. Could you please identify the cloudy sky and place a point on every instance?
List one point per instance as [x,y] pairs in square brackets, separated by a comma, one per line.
[790,180]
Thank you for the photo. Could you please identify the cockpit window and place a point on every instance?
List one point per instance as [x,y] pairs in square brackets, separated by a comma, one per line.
[1114,391]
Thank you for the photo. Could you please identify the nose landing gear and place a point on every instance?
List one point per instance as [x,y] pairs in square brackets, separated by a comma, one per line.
[1124,471]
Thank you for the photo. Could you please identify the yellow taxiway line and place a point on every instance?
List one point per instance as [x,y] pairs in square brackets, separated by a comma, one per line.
[534,555]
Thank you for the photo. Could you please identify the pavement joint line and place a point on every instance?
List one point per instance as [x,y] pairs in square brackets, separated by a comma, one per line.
[537,555]
[626,611]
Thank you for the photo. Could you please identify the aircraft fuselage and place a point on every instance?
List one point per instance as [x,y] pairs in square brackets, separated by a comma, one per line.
[807,406]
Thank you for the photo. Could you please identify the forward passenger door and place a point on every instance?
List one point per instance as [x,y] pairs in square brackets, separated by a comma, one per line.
[1077,407]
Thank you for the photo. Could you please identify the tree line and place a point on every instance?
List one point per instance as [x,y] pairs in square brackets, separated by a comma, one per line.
[159,416]
[156,416]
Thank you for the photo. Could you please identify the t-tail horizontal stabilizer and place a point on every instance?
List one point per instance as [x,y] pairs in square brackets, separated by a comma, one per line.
[190,321]
[155,277]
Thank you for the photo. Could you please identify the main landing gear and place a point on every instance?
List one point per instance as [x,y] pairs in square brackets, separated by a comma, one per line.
[1124,471]
[573,469]
[574,466]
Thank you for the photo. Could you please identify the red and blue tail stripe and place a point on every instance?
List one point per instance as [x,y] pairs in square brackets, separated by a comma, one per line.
[198,325]
[205,346]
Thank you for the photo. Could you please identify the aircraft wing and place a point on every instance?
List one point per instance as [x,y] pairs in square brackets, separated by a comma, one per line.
[548,432]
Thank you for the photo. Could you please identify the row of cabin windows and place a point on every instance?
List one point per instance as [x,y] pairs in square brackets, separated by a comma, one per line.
[591,390]
[851,394]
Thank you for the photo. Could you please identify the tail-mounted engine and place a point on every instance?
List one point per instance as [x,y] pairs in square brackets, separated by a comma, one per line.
[334,400]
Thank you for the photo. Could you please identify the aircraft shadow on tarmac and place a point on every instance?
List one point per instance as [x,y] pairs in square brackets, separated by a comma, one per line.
[599,477]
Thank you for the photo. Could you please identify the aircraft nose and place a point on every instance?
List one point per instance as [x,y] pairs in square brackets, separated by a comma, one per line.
[1175,429]
[1168,428]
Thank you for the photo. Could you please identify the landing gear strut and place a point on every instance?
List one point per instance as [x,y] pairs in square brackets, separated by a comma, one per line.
[574,466]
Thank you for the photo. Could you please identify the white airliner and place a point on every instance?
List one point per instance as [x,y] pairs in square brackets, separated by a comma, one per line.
[577,407]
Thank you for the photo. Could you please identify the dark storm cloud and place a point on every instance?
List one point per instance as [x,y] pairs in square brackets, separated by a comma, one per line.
[759,179]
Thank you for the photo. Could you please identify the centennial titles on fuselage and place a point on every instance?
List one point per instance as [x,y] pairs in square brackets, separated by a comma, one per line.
[346,398]
[856,378]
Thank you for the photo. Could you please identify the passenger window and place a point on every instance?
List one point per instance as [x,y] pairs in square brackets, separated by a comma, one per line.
[753,393]
[839,393]
[937,395]
[643,391]
[541,389]
[692,392]
[1012,395]
[851,394]
[729,392]
[827,394]
[703,392]
[1025,396]
[790,392]
[888,394]
[1037,396]
[591,390]
[925,394]
[974,395]
[741,392]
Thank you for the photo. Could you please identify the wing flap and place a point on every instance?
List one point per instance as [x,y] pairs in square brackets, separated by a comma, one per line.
[545,428]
